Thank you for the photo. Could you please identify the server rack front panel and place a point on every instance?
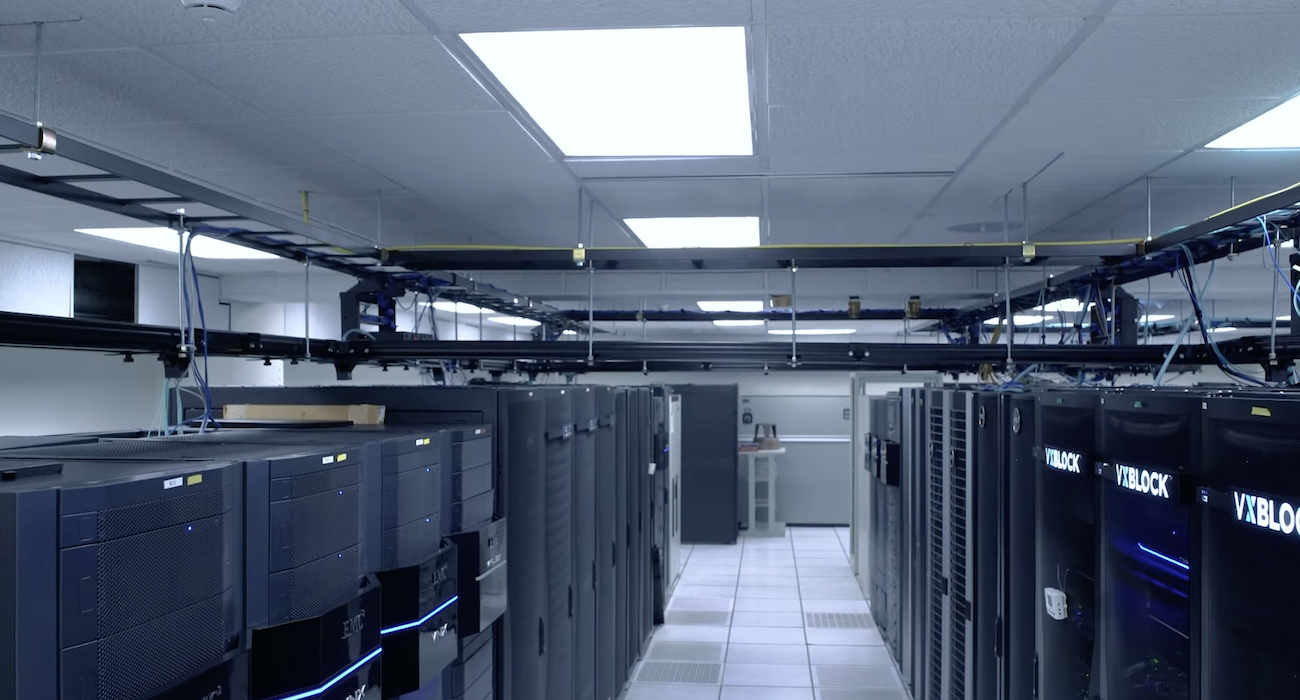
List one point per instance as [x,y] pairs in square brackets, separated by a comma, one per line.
[1021,596]
[526,613]
[606,544]
[622,535]
[584,543]
[559,543]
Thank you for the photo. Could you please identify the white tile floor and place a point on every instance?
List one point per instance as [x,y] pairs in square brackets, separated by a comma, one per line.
[740,612]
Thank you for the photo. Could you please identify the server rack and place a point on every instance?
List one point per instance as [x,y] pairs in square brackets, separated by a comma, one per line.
[525,654]
[1149,570]
[1019,593]
[606,544]
[419,619]
[559,543]
[987,482]
[913,480]
[584,542]
[624,658]
[886,536]
[938,630]
[124,579]
[674,491]
[1248,501]
[1068,660]
[303,548]
[471,677]
[635,488]
[648,497]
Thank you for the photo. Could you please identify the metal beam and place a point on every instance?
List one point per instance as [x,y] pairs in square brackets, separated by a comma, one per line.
[775,316]
[756,258]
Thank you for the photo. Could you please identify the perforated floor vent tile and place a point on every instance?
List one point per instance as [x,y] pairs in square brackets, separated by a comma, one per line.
[679,672]
[698,617]
[838,621]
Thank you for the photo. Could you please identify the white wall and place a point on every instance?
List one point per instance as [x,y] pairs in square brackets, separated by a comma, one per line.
[35,281]
[782,383]
[157,298]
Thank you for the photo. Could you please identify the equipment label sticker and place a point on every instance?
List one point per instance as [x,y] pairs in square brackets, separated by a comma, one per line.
[1064,461]
[173,483]
[1265,512]
[329,459]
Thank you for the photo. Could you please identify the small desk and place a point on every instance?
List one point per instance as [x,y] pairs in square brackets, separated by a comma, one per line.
[762,465]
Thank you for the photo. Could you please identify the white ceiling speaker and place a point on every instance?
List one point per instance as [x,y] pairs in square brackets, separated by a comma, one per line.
[211,10]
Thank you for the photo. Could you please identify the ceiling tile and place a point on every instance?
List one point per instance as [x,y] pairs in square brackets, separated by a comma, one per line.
[857,138]
[1117,127]
[1277,168]
[1099,169]
[681,197]
[340,76]
[59,33]
[213,146]
[1165,8]
[260,182]
[127,86]
[1164,58]
[167,22]
[816,11]
[848,210]
[883,63]
[509,15]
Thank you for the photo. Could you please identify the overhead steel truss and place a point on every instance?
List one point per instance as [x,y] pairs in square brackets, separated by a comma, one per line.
[773,316]
[248,223]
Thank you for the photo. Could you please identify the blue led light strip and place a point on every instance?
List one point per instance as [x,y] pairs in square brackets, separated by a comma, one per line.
[335,679]
[1164,557]
[422,620]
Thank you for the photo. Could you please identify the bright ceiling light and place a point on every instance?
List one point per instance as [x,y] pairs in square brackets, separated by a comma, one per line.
[1069,306]
[1020,320]
[1275,128]
[515,321]
[1157,318]
[736,324]
[569,332]
[629,92]
[738,306]
[1223,329]
[697,231]
[165,239]
[455,307]
[814,331]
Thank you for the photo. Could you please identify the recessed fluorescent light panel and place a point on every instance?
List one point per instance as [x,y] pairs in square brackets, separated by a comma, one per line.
[629,92]
[814,331]
[1223,329]
[739,306]
[515,321]
[736,324]
[455,307]
[1069,306]
[697,231]
[1157,318]
[1275,128]
[1020,320]
[165,239]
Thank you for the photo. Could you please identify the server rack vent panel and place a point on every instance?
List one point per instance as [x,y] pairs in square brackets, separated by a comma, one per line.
[958,519]
[938,582]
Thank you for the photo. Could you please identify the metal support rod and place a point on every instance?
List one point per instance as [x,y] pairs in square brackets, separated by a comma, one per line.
[1232,190]
[180,284]
[1149,232]
[1024,203]
[1006,275]
[591,315]
[36,98]
[1272,334]
[379,220]
[643,321]
[306,306]
[794,315]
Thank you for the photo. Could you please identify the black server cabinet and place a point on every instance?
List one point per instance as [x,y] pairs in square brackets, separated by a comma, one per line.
[1150,592]
[525,672]
[471,677]
[710,466]
[584,542]
[938,629]
[1019,592]
[559,543]
[986,485]
[1068,658]
[606,542]
[1250,566]
[647,501]
[122,579]
[635,487]
[419,624]
[623,660]
[886,536]
[913,480]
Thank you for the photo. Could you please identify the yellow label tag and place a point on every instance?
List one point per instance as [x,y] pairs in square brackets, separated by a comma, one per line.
[1260,411]
[343,456]
[193,479]
[423,441]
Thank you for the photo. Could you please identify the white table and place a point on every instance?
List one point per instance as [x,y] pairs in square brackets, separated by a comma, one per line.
[762,466]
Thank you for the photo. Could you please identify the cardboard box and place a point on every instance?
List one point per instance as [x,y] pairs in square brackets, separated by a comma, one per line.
[360,414]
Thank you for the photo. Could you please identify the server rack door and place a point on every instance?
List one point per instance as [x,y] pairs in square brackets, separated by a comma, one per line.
[1249,501]
[650,496]
[621,534]
[1150,447]
[559,543]
[912,488]
[710,463]
[526,609]
[986,556]
[961,506]
[892,541]
[606,544]
[1020,593]
[636,587]
[938,623]
[674,492]
[584,543]
[1066,548]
